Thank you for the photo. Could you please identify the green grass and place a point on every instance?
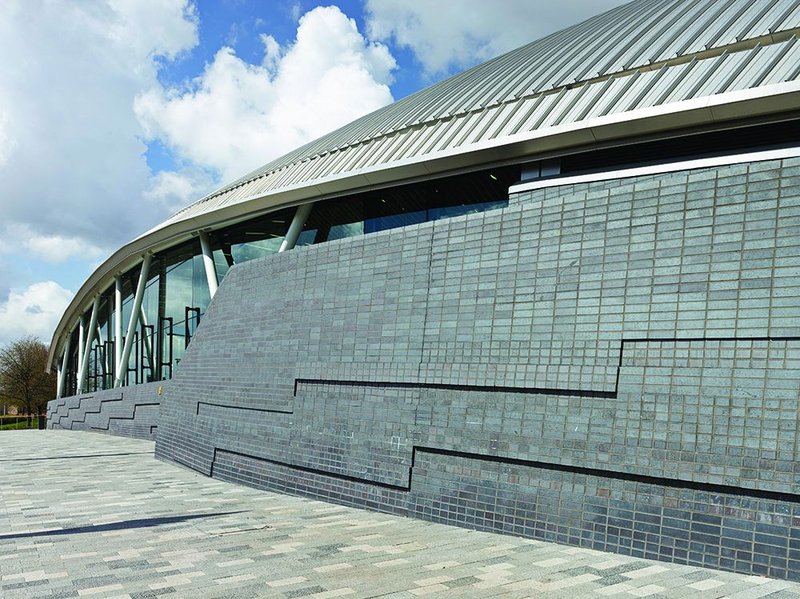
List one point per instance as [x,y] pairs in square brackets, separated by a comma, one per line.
[10,423]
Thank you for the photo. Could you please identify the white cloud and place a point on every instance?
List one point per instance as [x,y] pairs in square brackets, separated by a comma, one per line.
[72,161]
[453,34]
[250,113]
[34,310]
[75,180]
[151,28]
[57,248]
[6,142]
[20,239]
[173,190]
[70,72]
[272,53]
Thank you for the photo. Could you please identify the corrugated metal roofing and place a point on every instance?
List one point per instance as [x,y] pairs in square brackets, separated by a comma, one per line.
[642,54]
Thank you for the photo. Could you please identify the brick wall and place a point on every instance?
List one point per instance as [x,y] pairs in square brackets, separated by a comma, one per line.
[127,412]
[613,365]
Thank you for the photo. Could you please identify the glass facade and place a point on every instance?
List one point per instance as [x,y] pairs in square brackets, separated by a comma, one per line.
[176,295]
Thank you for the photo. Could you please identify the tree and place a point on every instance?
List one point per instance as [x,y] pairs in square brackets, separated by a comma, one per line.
[23,380]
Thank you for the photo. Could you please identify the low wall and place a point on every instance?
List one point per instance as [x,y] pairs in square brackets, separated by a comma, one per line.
[128,411]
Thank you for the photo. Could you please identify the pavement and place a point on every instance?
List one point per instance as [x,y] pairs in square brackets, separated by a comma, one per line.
[90,515]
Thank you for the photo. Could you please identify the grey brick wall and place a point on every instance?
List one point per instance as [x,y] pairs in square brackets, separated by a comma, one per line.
[613,365]
[127,412]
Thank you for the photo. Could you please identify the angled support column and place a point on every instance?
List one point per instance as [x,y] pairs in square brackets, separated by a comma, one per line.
[208,262]
[299,220]
[137,306]
[81,337]
[59,379]
[62,372]
[117,323]
[87,346]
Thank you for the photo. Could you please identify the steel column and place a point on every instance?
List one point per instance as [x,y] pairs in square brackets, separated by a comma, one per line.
[117,322]
[299,220]
[208,262]
[137,306]
[63,371]
[59,377]
[81,337]
[87,346]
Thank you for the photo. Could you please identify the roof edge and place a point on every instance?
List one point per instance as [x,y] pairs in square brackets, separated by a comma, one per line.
[717,109]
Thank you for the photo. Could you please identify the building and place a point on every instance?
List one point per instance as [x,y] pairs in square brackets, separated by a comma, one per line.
[556,295]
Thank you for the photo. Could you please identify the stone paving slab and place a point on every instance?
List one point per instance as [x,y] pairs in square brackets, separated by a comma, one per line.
[90,515]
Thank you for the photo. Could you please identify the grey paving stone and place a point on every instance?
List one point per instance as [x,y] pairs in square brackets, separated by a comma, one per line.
[169,525]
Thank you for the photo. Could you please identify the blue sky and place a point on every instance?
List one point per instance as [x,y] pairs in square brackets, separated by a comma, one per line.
[116,113]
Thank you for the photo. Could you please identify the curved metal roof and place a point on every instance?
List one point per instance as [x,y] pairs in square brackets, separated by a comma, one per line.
[644,67]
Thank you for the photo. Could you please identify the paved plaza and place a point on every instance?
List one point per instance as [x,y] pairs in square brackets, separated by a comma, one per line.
[84,514]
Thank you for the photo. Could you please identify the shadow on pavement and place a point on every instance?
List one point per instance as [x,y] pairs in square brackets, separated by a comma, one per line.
[125,524]
[72,457]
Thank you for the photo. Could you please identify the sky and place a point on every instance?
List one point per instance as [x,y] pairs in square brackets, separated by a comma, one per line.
[114,114]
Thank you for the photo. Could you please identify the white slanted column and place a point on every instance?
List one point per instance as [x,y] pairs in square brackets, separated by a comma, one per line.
[62,371]
[87,346]
[208,262]
[59,380]
[81,338]
[299,220]
[135,311]
[117,323]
